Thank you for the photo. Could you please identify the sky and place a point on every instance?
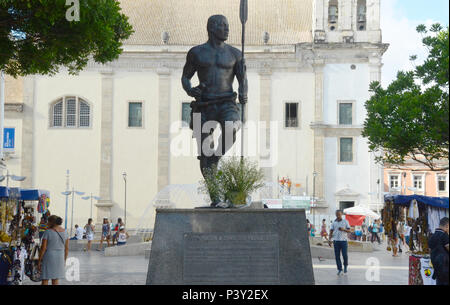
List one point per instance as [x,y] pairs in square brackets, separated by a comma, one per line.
[399,19]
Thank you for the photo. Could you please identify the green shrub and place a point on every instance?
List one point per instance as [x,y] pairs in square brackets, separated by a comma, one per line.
[233,181]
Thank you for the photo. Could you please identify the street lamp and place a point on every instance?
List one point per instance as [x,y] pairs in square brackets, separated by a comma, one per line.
[91,197]
[13,177]
[73,192]
[124,175]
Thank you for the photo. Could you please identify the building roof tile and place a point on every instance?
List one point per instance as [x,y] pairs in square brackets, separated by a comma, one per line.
[286,21]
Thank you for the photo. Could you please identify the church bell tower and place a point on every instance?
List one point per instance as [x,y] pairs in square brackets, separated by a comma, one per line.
[346,21]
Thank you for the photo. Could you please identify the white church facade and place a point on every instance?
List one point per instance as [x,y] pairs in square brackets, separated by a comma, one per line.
[309,66]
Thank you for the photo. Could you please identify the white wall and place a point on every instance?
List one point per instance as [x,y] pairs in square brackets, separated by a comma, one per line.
[295,145]
[57,150]
[343,83]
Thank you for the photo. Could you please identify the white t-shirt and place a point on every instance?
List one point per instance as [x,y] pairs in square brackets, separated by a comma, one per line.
[337,234]
[79,233]
[407,230]
[122,237]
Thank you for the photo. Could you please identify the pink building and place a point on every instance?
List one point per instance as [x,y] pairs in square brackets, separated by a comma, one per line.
[415,178]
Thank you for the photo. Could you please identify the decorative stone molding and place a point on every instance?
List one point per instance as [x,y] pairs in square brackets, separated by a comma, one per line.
[163,165]
[13,107]
[333,131]
[104,205]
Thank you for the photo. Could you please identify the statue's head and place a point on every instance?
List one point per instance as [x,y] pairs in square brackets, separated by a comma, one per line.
[218,27]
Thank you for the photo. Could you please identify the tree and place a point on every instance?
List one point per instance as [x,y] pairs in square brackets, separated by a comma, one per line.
[409,119]
[40,36]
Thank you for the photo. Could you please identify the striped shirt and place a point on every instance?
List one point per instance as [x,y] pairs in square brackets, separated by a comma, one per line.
[337,234]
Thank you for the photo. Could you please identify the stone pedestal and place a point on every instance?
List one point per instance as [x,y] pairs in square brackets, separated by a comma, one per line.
[230,247]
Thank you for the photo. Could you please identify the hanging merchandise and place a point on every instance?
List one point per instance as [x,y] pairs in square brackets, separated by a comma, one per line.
[423,215]
[44,203]
[31,265]
[426,270]
[415,277]
[18,230]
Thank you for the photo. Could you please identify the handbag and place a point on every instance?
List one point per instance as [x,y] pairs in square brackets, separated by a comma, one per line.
[31,265]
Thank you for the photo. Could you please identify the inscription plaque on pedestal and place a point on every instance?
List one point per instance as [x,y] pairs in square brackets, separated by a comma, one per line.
[217,258]
[230,247]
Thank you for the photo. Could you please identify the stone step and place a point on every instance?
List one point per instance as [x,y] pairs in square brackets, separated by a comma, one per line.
[128,249]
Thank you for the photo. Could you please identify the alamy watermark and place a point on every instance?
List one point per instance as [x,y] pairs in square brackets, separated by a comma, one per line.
[260,140]
[72,269]
[373,270]
[73,12]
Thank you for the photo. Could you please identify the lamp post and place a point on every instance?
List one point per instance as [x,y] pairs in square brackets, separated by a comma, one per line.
[124,175]
[314,195]
[66,193]
[72,192]
[91,197]
[13,177]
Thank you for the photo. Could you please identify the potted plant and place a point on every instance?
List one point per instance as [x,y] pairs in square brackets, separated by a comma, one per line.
[233,181]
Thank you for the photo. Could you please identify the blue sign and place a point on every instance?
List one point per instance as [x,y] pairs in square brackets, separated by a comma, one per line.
[9,136]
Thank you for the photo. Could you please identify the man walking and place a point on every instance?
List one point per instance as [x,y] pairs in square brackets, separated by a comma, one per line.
[338,234]
[438,244]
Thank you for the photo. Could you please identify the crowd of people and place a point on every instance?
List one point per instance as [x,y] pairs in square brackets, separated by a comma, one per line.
[54,243]
[340,232]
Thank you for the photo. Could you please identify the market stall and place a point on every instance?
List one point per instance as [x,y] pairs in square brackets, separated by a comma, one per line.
[12,251]
[356,217]
[18,214]
[422,215]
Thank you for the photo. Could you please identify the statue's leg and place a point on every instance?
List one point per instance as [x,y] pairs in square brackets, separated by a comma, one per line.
[207,162]
[229,113]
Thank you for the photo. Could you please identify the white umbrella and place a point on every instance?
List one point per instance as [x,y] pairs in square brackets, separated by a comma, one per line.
[363,211]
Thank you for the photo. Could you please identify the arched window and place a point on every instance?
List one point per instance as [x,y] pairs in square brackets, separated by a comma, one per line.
[70,112]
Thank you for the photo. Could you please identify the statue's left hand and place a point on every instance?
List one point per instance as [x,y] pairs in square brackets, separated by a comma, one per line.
[243,99]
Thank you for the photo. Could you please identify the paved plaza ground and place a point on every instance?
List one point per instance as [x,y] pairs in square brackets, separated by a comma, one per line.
[96,269]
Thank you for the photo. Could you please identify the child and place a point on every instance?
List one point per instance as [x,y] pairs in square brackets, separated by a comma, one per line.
[122,237]
[42,227]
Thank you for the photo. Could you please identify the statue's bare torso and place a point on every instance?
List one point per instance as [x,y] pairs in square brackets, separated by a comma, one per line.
[216,67]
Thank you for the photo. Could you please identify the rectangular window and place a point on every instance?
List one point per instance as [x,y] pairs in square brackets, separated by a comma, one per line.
[394,181]
[71,112]
[346,205]
[186,114]
[442,183]
[418,182]
[291,115]
[135,114]
[346,150]
[345,113]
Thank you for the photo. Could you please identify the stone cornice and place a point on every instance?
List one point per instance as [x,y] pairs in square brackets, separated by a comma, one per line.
[304,57]
[328,130]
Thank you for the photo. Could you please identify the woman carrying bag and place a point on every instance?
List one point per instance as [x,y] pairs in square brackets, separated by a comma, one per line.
[54,252]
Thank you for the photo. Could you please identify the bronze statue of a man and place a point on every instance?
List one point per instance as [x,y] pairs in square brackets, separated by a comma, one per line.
[216,64]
